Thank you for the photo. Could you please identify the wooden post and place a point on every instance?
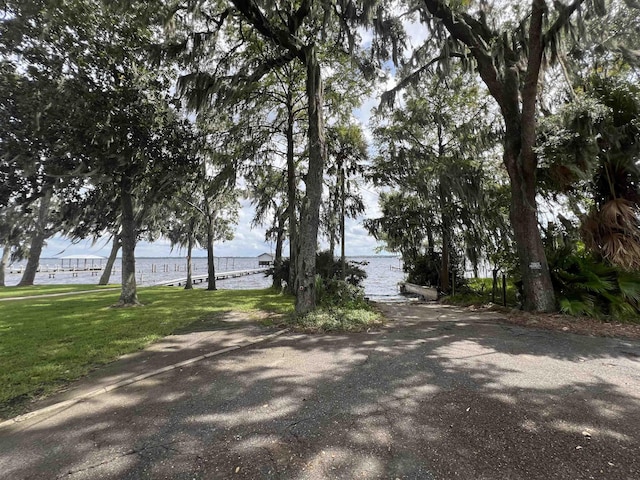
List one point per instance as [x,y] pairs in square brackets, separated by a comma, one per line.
[504,289]
[453,282]
[495,286]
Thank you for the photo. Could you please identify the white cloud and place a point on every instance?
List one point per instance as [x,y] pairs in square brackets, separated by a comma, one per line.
[417,34]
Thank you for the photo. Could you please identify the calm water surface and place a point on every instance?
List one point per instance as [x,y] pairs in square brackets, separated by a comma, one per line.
[381,284]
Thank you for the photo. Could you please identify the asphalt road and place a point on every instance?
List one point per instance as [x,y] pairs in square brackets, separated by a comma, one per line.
[440,393]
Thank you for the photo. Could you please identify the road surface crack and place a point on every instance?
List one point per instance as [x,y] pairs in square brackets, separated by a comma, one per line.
[134,451]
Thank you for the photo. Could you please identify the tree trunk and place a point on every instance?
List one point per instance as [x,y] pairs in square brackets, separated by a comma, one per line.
[310,212]
[129,293]
[431,242]
[343,214]
[37,240]
[211,260]
[504,82]
[108,268]
[445,279]
[332,240]
[6,253]
[536,280]
[445,224]
[292,189]
[277,261]
[188,285]
[521,164]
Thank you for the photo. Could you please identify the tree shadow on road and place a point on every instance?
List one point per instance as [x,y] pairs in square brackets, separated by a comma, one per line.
[443,398]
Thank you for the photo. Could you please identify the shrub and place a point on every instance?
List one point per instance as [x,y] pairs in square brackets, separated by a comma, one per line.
[332,292]
[425,270]
[341,308]
[338,319]
[327,267]
[341,303]
[586,286]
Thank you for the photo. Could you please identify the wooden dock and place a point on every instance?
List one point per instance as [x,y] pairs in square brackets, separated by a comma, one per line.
[54,270]
[205,278]
[427,293]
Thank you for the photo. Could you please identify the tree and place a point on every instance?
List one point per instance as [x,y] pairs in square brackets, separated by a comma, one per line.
[149,148]
[107,124]
[612,227]
[41,231]
[588,143]
[33,119]
[291,32]
[32,156]
[12,238]
[589,150]
[267,187]
[201,220]
[403,226]
[220,213]
[116,244]
[348,154]
[275,114]
[509,57]
[438,146]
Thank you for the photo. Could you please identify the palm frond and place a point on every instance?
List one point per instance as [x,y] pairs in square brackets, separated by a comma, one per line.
[584,306]
[629,285]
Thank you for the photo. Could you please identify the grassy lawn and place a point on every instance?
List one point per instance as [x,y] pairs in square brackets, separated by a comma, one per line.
[338,319]
[478,292]
[46,343]
[7,292]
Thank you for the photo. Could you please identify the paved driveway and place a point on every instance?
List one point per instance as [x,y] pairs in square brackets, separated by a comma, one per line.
[440,393]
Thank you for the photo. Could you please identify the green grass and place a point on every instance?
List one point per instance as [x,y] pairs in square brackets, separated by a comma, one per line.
[478,292]
[7,292]
[46,343]
[337,319]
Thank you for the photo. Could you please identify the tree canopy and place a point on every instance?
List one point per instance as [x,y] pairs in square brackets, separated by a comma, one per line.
[142,119]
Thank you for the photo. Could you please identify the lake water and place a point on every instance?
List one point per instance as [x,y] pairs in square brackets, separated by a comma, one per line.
[381,284]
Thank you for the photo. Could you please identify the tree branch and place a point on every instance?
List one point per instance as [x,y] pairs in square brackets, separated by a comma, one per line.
[560,22]
[296,20]
[255,17]
[464,33]
[388,97]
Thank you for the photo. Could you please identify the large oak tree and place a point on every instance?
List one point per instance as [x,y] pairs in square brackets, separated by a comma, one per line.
[509,51]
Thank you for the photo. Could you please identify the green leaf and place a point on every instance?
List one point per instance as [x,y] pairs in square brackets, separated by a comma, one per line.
[629,284]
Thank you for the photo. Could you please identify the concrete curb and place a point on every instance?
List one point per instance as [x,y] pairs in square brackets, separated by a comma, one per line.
[137,378]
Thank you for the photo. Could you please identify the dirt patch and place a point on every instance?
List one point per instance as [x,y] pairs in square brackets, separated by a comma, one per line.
[565,323]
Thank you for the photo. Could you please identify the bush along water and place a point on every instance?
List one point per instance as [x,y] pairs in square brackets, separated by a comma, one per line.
[427,270]
[328,268]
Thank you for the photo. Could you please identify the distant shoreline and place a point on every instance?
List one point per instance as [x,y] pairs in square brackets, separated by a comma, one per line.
[216,256]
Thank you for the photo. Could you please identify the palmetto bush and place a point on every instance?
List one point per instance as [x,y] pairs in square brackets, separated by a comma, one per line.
[586,286]
[592,147]
[613,231]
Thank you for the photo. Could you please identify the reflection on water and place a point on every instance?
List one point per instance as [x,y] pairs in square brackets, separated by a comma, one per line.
[381,284]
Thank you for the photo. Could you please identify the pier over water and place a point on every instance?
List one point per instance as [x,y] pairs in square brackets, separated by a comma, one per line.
[205,278]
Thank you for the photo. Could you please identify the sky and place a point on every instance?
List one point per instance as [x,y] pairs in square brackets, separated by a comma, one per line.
[248,241]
